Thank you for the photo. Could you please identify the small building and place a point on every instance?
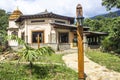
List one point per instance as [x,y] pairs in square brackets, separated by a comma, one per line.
[54,30]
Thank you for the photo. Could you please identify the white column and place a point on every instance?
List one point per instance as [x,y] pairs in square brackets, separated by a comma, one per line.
[53,36]
[26,32]
[85,42]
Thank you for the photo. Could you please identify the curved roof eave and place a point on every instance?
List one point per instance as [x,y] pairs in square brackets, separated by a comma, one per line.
[44,15]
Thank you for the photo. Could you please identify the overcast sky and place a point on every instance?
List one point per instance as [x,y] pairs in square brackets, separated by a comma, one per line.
[63,7]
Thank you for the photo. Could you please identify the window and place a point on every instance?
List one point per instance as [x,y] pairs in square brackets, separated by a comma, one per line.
[15,33]
[59,21]
[35,34]
[23,36]
[63,38]
[36,21]
[71,21]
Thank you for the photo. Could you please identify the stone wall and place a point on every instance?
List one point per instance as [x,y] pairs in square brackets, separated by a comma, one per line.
[64,46]
[55,46]
[93,46]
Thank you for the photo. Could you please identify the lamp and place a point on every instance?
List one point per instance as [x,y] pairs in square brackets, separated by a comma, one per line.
[80,20]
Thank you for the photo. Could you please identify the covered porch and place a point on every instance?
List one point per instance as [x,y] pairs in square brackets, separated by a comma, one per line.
[94,38]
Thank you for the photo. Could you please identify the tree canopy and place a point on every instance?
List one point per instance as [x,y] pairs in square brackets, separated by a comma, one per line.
[3,28]
[111,3]
[109,25]
[111,43]
[3,20]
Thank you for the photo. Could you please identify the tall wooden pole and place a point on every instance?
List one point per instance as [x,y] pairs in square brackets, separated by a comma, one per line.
[38,40]
[80,43]
[80,53]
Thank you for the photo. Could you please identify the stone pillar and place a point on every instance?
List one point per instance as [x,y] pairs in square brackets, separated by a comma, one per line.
[26,32]
[85,42]
[53,36]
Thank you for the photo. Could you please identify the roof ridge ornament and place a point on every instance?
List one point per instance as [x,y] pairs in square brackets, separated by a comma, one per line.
[46,10]
[17,8]
[15,14]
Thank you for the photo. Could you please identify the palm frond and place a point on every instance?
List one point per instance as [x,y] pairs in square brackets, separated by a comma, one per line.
[45,50]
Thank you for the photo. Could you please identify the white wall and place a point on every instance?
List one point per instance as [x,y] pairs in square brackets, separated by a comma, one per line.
[28,27]
[12,24]
[40,26]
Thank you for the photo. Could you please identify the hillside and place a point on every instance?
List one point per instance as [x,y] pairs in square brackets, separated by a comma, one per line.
[111,14]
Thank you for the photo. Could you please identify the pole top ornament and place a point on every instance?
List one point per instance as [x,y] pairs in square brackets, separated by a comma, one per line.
[79,12]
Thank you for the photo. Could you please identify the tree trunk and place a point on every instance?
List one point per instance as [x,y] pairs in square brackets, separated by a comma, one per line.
[31,65]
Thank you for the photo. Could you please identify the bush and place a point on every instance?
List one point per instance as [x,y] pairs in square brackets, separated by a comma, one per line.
[3,46]
[106,45]
[110,45]
[117,51]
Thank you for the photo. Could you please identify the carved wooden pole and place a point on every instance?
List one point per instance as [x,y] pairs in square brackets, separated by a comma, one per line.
[80,18]
[38,40]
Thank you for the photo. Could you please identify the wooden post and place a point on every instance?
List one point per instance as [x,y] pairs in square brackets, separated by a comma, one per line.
[80,53]
[38,40]
[79,13]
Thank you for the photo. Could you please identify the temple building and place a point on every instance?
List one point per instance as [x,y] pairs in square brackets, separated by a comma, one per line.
[54,30]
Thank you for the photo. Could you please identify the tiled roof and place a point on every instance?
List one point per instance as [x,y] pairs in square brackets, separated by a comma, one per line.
[44,15]
[15,14]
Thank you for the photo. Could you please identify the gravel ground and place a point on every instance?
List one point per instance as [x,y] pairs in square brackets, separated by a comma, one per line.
[93,70]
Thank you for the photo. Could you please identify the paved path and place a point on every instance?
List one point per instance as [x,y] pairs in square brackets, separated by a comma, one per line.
[93,70]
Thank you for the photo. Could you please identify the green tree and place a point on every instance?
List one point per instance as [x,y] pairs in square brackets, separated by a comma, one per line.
[109,25]
[99,23]
[94,24]
[111,3]
[111,43]
[3,20]
[3,29]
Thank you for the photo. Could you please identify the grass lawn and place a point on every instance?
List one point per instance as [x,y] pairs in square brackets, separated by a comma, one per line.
[12,71]
[109,60]
[54,58]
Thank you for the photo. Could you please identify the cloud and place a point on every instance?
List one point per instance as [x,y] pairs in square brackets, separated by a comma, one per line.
[6,4]
[63,7]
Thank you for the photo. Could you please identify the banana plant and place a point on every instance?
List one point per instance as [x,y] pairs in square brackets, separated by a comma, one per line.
[30,54]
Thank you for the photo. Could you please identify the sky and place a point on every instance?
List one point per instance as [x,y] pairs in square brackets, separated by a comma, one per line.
[63,7]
